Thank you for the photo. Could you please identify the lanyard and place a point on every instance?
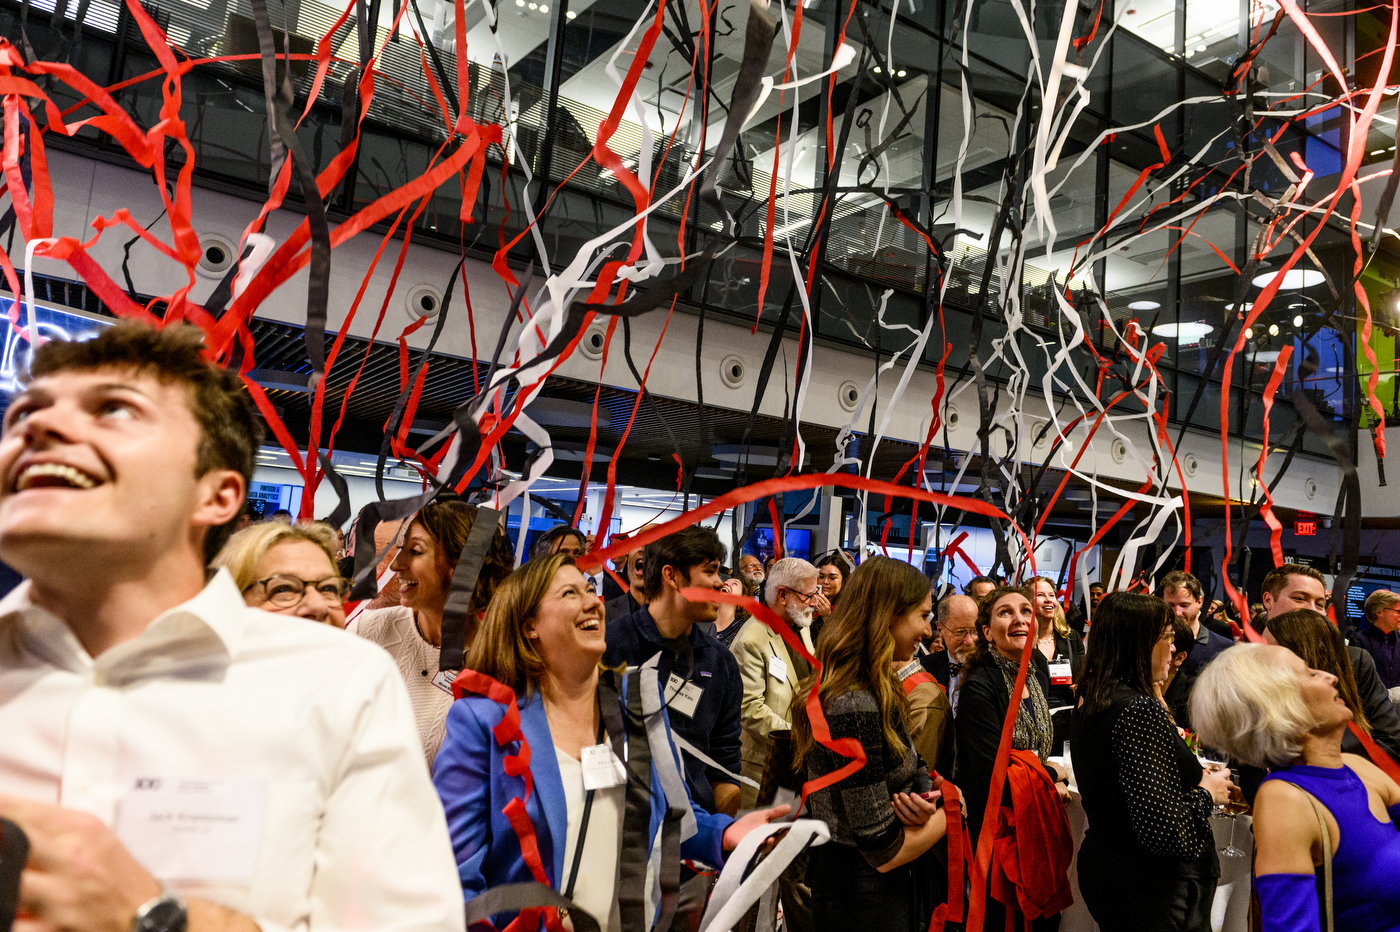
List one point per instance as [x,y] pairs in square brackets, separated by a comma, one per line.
[582,828]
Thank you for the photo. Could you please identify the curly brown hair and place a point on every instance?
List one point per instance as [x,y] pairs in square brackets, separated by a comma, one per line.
[981,653]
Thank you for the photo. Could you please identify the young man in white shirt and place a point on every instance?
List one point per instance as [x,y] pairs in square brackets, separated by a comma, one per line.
[178,760]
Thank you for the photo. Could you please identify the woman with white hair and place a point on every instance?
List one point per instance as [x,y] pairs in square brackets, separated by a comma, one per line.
[1318,807]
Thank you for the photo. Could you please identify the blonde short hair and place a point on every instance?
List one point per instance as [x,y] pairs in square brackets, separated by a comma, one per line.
[1247,703]
[245,550]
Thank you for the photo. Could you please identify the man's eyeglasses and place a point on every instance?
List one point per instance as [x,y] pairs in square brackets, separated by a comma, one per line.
[288,591]
[804,596]
[959,634]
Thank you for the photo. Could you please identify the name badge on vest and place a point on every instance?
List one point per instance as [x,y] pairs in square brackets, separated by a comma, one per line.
[1060,673]
[777,668]
[601,768]
[444,678]
[682,697]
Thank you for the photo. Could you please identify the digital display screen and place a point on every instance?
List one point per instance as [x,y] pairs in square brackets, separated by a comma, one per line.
[796,543]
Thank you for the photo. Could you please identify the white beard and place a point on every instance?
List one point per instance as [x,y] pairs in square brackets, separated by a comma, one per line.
[802,619]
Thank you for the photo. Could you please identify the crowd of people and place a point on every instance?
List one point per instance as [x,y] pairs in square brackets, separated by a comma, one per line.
[201,733]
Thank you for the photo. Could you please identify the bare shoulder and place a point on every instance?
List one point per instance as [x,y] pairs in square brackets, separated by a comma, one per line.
[1286,836]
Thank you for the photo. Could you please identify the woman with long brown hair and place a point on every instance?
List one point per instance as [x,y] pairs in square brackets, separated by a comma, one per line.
[865,876]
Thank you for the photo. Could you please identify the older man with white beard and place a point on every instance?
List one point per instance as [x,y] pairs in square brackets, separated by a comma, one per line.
[770,672]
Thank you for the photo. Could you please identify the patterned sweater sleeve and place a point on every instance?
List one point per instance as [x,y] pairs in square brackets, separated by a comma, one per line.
[865,796]
[1167,818]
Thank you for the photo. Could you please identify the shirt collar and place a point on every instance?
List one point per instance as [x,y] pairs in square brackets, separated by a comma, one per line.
[208,625]
[1203,636]
[646,626]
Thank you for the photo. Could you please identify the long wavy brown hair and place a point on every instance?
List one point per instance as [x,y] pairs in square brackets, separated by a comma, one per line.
[502,649]
[856,649]
[1317,641]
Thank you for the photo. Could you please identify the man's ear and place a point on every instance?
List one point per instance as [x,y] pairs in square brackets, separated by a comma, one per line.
[1266,600]
[220,494]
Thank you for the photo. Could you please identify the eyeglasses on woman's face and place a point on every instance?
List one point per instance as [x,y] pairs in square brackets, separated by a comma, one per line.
[288,591]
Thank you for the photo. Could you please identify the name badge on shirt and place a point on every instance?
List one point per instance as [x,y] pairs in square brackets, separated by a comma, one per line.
[192,829]
[601,768]
[1060,673]
[682,696]
[777,668]
[444,678]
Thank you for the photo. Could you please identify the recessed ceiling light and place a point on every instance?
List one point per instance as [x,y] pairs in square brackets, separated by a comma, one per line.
[1293,278]
[1249,333]
[1298,320]
[902,73]
[1273,330]
[1186,333]
[1200,48]
[877,69]
[571,15]
[1144,306]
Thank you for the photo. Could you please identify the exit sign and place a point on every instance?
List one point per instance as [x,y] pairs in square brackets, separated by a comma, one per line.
[1305,528]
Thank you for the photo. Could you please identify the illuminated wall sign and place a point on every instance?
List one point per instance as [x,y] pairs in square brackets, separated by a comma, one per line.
[1305,524]
[53,322]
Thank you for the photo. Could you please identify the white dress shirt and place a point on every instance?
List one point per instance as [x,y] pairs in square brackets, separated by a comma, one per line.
[353,836]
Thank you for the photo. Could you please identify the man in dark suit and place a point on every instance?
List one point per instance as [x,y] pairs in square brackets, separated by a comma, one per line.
[1184,594]
[957,623]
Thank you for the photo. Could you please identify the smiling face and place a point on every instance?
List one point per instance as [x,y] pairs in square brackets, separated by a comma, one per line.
[97,468]
[567,626]
[1045,601]
[307,562]
[751,568]
[1299,592]
[424,571]
[1012,621]
[911,628]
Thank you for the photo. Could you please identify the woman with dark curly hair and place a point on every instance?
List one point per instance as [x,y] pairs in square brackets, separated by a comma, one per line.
[412,632]
[1005,631]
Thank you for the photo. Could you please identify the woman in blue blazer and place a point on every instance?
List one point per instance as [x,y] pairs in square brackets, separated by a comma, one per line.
[534,759]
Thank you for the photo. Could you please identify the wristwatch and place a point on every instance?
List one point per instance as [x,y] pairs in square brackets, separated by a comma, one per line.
[164,913]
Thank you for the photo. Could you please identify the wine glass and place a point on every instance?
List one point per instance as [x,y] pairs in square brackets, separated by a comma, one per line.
[1234,807]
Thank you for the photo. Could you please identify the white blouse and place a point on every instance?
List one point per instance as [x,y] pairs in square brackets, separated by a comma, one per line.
[395,630]
[597,870]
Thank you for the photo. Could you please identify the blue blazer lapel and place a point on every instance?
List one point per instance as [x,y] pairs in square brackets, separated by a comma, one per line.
[549,786]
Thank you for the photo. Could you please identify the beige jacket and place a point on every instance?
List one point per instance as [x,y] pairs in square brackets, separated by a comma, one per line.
[761,654]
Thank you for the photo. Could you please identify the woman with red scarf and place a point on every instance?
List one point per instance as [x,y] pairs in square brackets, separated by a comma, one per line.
[1030,815]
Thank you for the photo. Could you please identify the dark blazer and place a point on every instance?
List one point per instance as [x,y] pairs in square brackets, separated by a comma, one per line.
[1202,654]
[1375,701]
[936,666]
[982,703]
[715,729]
[620,607]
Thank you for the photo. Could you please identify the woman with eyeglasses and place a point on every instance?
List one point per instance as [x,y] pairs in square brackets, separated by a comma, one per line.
[412,631]
[287,569]
[1148,860]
